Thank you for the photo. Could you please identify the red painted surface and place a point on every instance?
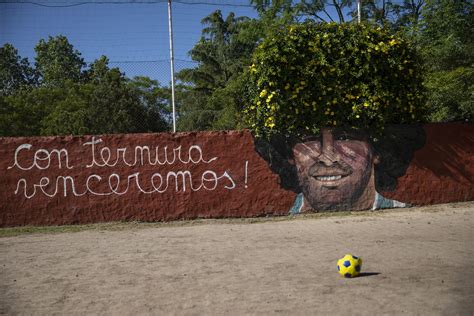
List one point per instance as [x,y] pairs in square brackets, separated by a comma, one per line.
[442,171]
[235,194]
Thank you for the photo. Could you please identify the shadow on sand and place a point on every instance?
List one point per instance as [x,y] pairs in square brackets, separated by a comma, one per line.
[367,274]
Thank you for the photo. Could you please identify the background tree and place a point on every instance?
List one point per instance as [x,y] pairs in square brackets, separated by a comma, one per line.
[208,98]
[319,10]
[26,110]
[275,11]
[57,61]
[15,72]
[70,100]
[376,11]
[390,13]
[154,100]
[447,45]
[107,103]
[407,13]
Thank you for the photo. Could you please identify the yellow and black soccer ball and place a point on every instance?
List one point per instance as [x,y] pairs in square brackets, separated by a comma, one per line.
[349,266]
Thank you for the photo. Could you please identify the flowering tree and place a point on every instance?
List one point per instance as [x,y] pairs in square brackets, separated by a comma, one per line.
[308,76]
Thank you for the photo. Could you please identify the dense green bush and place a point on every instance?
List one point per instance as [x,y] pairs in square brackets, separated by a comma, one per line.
[309,76]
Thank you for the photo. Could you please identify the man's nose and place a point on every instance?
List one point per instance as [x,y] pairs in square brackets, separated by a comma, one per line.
[328,159]
[328,155]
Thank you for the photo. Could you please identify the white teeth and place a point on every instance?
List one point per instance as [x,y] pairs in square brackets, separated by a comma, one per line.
[329,178]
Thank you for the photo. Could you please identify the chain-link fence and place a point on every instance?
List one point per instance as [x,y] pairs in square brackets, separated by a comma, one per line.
[133,35]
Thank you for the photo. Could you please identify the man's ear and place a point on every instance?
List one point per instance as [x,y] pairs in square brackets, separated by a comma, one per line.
[376,159]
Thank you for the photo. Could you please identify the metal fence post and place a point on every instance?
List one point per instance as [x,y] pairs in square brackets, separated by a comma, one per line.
[170,23]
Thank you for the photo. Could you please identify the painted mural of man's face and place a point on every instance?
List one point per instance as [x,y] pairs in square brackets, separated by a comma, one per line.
[335,171]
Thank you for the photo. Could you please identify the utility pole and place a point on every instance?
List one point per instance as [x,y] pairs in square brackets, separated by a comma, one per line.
[170,23]
[358,10]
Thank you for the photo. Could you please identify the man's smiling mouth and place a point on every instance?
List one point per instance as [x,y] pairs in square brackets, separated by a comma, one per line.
[331,181]
[329,178]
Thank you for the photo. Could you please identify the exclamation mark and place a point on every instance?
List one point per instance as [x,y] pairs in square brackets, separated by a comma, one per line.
[246,172]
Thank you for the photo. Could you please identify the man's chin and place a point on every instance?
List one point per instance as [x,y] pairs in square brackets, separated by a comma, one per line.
[329,199]
[330,206]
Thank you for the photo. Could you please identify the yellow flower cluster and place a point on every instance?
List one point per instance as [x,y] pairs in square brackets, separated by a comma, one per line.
[381,46]
[270,122]
[352,71]
[253,68]
[270,96]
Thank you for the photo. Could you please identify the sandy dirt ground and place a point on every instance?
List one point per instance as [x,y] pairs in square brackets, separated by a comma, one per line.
[416,261]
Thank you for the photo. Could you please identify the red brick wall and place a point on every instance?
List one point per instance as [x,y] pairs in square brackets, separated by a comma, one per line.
[236,183]
[443,170]
[224,177]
